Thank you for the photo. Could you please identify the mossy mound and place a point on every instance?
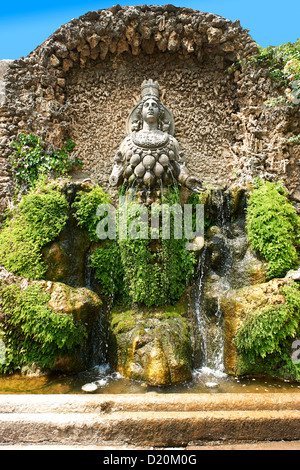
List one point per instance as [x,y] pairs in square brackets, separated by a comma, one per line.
[261,323]
[152,346]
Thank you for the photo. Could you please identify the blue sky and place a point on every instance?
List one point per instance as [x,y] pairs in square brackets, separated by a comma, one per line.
[24,25]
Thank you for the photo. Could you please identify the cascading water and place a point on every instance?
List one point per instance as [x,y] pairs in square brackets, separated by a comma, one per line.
[210,329]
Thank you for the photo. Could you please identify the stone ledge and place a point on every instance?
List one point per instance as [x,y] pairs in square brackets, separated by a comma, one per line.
[148,428]
[115,403]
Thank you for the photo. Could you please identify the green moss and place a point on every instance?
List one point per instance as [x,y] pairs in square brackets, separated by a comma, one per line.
[85,209]
[273,228]
[38,220]
[33,332]
[264,339]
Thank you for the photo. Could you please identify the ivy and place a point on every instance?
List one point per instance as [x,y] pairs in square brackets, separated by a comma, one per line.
[30,161]
[32,332]
[273,228]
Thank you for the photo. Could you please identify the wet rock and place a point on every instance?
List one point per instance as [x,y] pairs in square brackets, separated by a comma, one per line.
[80,303]
[237,304]
[83,305]
[151,346]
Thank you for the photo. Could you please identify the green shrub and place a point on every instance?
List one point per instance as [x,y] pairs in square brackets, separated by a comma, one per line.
[85,209]
[32,332]
[273,228]
[30,161]
[264,339]
[39,218]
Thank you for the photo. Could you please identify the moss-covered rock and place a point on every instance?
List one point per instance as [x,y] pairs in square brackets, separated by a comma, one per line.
[151,346]
[46,325]
[260,324]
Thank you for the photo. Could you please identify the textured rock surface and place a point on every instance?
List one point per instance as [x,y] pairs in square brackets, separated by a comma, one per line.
[236,304]
[151,346]
[82,82]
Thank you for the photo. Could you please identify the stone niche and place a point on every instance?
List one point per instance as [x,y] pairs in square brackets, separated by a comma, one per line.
[83,80]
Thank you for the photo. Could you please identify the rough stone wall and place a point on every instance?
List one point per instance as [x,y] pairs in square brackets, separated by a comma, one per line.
[82,82]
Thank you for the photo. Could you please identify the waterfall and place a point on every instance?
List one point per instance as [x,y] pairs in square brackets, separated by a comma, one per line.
[210,332]
[210,327]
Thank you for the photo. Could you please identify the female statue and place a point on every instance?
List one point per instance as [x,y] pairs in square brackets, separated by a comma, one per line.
[149,158]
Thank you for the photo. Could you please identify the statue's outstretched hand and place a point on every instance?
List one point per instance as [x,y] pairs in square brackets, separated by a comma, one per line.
[194,184]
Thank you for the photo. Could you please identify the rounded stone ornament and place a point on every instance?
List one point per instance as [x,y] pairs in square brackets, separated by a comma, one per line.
[128,172]
[139,170]
[164,160]
[135,160]
[149,178]
[128,155]
[171,155]
[148,162]
[132,178]
[158,170]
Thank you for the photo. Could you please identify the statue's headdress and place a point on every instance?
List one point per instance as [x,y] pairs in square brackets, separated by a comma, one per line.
[150,89]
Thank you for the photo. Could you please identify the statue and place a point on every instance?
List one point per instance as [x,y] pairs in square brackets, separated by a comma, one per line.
[149,158]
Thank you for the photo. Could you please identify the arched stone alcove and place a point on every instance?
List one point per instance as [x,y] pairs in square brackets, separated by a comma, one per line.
[82,82]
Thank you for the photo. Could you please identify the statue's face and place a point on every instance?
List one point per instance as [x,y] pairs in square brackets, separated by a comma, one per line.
[150,111]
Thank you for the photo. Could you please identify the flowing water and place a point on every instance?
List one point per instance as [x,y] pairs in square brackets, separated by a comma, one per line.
[210,328]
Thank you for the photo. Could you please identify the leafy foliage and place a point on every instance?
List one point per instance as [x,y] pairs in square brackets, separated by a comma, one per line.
[32,332]
[39,218]
[283,63]
[267,334]
[273,228]
[128,268]
[85,209]
[30,161]
[108,269]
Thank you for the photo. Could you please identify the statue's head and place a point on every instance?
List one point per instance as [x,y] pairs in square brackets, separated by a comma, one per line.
[150,109]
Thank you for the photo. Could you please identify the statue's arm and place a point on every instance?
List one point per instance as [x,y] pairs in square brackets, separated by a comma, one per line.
[116,176]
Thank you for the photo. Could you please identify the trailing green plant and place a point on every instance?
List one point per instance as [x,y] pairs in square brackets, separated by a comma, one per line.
[108,269]
[264,339]
[273,228]
[30,161]
[36,221]
[128,268]
[85,209]
[32,332]
[156,272]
